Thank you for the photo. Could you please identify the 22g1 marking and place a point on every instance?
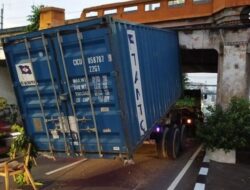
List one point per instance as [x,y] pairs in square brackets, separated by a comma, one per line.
[94,68]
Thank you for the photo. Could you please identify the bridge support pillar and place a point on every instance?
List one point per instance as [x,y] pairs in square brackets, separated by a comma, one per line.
[233,73]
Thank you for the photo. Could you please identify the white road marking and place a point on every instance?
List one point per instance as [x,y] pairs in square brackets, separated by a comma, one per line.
[206,159]
[184,170]
[199,186]
[203,171]
[65,167]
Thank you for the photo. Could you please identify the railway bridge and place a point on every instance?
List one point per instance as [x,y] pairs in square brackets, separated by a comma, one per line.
[214,35]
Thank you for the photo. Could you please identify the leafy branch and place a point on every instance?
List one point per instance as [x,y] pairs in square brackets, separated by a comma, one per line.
[34,18]
[227,129]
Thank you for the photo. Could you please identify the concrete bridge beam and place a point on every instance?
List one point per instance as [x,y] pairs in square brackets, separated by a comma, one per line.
[199,39]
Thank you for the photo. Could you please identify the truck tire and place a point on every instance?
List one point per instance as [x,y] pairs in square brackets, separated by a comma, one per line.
[183,136]
[161,144]
[174,142]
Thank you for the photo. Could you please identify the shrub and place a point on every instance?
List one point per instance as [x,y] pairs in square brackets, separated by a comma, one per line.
[227,129]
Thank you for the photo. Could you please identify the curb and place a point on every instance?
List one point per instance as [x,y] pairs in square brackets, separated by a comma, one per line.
[202,177]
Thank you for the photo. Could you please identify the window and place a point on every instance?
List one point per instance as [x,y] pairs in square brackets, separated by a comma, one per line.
[152,7]
[175,2]
[110,11]
[201,1]
[92,14]
[130,9]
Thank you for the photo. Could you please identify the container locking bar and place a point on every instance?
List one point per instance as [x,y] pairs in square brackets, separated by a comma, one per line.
[90,129]
[80,38]
[83,119]
[38,95]
[52,119]
[55,94]
[59,39]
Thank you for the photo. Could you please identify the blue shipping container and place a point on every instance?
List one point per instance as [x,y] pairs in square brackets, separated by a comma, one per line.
[94,88]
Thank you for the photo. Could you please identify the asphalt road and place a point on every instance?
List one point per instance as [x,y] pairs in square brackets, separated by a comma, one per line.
[148,172]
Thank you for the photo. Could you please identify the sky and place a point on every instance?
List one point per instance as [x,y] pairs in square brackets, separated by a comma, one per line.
[16,11]
[206,78]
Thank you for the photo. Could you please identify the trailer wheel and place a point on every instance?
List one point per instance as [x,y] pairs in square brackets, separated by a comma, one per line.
[161,144]
[183,136]
[174,143]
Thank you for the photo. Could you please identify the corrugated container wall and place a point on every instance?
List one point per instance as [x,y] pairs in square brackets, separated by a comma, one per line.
[94,88]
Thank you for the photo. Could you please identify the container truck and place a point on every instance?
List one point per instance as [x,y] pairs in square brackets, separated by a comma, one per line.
[98,88]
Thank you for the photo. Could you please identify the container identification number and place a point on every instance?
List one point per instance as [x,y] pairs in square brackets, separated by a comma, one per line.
[77,62]
[91,60]
[96,59]
[93,63]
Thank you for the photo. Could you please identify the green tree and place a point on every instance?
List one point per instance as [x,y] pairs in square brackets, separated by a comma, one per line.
[227,128]
[34,18]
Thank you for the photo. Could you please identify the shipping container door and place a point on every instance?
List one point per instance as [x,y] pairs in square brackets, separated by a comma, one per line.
[38,85]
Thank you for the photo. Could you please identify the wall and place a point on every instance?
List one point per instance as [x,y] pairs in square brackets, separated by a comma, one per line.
[6,89]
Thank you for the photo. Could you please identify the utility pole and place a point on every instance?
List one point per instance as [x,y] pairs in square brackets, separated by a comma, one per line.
[2,16]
